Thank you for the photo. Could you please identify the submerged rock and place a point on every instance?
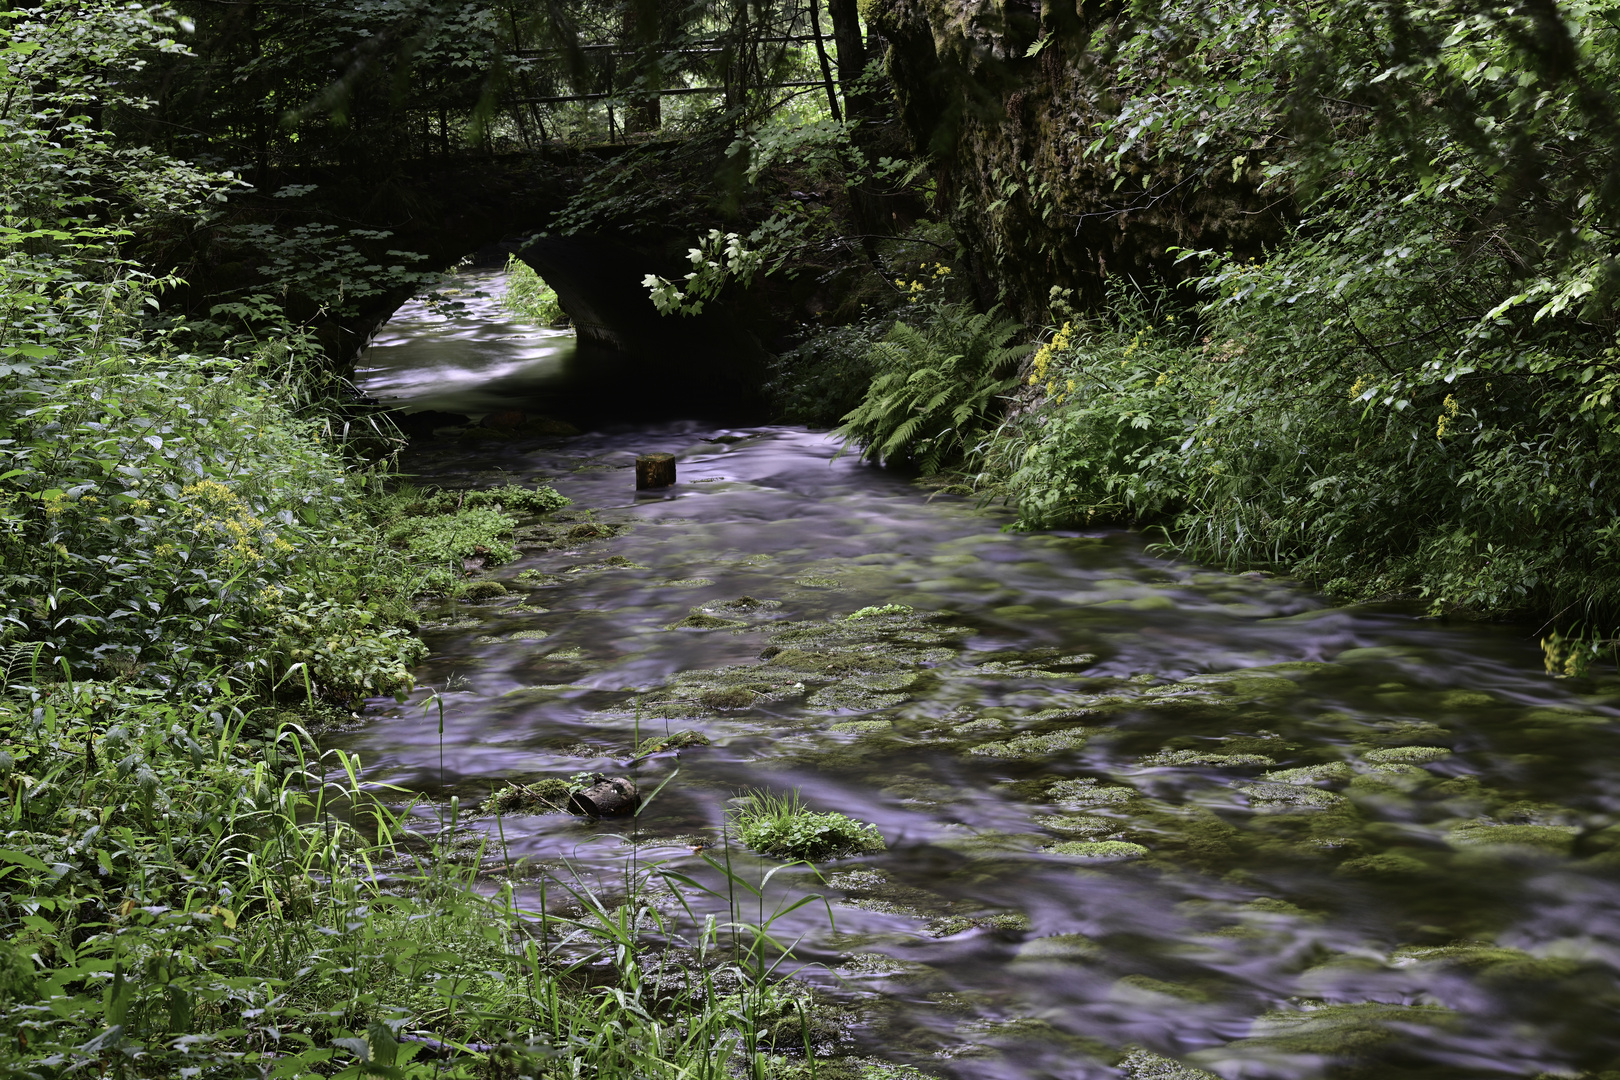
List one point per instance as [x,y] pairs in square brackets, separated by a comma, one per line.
[1145,1065]
[702,621]
[1086,792]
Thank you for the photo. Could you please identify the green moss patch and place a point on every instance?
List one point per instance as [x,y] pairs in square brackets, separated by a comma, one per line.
[547,796]
[1055,742]
[1098,849]
[1086,792]
[1190,758]
[1273,796]
[1473,835]
[1406,755]
[879,611]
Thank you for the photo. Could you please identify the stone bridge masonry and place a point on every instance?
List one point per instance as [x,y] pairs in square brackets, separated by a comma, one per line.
[504,205]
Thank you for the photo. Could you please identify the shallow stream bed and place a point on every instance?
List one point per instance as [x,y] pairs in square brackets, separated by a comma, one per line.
[1135,810]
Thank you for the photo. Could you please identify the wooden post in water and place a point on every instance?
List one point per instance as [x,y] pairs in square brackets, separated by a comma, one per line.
[655,471]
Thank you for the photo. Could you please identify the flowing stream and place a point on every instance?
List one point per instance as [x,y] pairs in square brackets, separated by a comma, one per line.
[1128,802]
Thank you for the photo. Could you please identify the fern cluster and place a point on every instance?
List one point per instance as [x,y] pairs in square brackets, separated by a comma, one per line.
[937,387]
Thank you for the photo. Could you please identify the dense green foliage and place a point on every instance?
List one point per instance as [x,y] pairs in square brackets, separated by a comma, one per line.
[936,387]
[1414,395]
[203,562]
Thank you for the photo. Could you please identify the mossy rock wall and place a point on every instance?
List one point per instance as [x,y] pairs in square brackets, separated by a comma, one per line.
[1007,135]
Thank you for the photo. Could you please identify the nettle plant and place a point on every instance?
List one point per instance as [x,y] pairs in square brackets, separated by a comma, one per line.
[161,512]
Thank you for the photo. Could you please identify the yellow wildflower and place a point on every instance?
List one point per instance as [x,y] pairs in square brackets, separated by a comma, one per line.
[1448,413]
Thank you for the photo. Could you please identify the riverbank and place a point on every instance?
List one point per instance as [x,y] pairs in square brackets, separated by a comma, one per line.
[1478,495]
[207,575]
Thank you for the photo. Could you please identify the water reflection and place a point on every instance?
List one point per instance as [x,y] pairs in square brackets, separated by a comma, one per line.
[1375,845]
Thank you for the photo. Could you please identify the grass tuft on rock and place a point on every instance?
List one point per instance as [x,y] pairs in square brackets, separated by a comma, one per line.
[783,827]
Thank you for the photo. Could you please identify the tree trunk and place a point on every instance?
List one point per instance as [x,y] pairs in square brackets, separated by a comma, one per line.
[851,47]
[821,54]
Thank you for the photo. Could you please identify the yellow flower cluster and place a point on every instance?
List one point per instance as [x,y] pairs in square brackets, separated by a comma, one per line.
[223,509]
[1448,413]
[915,289]
[1360,386]
[210,493]
[1060,342]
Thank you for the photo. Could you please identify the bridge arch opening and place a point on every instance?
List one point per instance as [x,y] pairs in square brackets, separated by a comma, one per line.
[458,355]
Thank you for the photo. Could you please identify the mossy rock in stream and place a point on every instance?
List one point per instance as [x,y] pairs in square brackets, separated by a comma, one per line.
[482,590]
[1097,849]
[1143,990]
[1055,742]
[743,605]
[1490,963]
[1405,755]
[1191,758]
[817,581]
[1401,733]
[612,562]
[1311,774]
[1245,685]
[1388,865]
[1082,826]
[1086,791]
[848,697]
[1489,835]
[836,663]
[862,727]
[702,621]
[547,796]
[1139,1064]
[891,631]
[1275,797]
[1343,1033]
[513,636]
[1058,949]
[675,740]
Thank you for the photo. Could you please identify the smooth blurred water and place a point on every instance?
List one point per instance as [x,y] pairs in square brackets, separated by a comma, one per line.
[1385,925]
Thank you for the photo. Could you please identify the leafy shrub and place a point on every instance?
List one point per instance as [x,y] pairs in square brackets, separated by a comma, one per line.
[528,295]
[937,387]
[783,827]
[1304,427]
[344,654]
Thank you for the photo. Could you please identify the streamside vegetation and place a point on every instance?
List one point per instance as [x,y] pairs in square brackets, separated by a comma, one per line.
[528,295]
[205,562]
[1411,393]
